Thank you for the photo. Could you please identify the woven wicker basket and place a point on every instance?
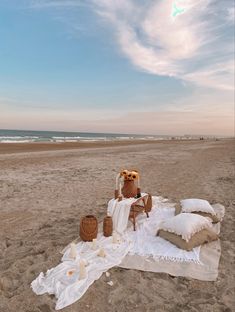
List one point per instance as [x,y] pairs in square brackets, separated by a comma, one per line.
[88,228]
[108,226]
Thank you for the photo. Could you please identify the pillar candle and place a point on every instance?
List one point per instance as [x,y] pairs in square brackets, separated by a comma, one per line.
[73,251]
[115,238]
[82,270]
[94,243]
[117,180]
[120,189]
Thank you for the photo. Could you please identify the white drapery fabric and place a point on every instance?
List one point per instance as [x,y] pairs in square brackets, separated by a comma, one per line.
[69,288]
[120,210]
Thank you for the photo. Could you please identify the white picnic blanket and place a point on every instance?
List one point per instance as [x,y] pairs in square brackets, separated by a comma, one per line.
[68,288]
[207,270]
[145,242]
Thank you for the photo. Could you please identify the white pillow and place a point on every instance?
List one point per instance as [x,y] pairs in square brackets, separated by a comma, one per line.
[196,205]
[185,225]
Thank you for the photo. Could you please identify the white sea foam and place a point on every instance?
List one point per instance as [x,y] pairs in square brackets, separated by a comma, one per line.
[90,140]
[18,137]
[65,138]
[124,138]
[16,141]
[65,141]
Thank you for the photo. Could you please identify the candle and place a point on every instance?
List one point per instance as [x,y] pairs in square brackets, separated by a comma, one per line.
[115,238]
[119,240]
[73,251]
[117,180]
[101,253]
[120,189]
[82,270]
[94,243]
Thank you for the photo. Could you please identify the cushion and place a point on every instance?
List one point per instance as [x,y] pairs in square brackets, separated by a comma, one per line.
[199,238]
[198,206]
[185,225]
[214,218]
[192,204]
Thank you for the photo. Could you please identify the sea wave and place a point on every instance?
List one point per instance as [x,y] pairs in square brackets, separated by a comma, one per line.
[65,141]
[65,138]
[16,141]
[18,137]
[72,139]
[124,138]
[78,139]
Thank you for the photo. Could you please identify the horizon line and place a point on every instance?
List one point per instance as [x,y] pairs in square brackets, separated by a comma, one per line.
[119,133]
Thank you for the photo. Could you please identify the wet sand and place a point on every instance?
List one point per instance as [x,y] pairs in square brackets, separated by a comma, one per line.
[9,148]
[44,192]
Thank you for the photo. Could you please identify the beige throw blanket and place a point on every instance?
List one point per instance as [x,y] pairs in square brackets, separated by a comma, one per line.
[207,270]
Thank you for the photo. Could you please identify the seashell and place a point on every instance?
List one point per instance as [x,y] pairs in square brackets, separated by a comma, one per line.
[70,273]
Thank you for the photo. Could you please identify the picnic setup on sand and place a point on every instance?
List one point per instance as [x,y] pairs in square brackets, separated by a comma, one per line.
[141,232]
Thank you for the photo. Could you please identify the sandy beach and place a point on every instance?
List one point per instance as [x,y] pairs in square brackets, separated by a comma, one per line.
[46,188]
[6,148]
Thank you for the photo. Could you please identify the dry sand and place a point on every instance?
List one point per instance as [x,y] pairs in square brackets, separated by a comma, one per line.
[44,194]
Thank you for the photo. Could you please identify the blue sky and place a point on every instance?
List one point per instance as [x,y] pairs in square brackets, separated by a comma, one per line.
[117,66]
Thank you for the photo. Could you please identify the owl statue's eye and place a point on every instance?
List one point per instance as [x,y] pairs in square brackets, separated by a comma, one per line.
[134,176]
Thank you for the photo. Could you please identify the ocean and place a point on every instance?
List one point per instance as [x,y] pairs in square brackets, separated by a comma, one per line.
[26,136]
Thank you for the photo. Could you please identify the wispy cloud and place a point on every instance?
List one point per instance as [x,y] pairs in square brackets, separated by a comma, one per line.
[186,46]
[179,38]
[41,4]
[219,75]
[231,14]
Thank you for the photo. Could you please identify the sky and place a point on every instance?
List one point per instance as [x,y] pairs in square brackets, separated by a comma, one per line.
[124,66]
